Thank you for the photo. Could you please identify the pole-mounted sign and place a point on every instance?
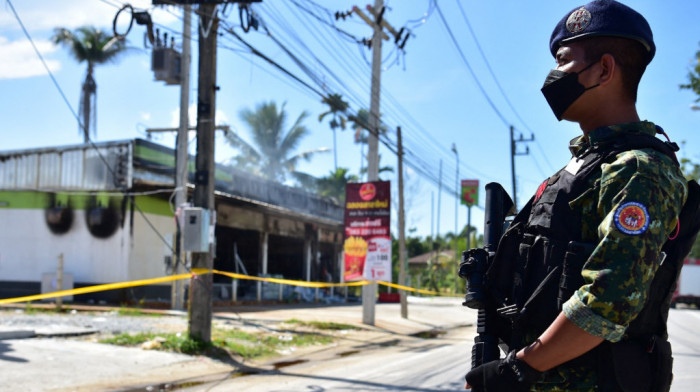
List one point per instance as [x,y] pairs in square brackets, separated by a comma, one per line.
[470,192]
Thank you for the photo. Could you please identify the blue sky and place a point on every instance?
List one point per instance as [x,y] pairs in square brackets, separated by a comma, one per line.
[428,90]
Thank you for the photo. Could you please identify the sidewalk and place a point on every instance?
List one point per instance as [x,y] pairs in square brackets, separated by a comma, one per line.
[43,364]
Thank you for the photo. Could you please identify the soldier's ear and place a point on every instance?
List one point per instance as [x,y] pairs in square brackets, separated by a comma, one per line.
[608,69]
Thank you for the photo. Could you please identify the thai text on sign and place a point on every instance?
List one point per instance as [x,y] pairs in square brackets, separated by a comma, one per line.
[367,231]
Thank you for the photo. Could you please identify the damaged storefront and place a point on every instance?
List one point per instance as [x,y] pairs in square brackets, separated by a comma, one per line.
[107,212]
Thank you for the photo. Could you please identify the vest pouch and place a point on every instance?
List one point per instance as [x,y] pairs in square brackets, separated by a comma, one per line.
[537,298]
[632,366]
[663,360]
[501,274]
[576,255]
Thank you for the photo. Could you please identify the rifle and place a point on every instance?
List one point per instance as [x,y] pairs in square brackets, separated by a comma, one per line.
[475,262]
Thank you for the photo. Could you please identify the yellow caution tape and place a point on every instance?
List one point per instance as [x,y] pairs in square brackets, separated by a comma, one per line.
[92,289]
[202,271]
[292,282]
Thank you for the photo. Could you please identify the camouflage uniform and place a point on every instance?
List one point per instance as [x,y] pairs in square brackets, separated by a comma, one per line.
[619,272]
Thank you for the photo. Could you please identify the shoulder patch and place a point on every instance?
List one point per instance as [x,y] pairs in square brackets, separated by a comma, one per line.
[632,218]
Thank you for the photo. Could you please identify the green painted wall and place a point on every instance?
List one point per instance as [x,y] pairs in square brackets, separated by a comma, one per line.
[42,200]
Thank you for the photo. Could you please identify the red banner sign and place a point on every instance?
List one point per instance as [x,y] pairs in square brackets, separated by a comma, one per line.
[367,231]
[470,192]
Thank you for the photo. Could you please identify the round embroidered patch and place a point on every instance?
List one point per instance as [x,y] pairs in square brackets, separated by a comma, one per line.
[578,20]
[632,218]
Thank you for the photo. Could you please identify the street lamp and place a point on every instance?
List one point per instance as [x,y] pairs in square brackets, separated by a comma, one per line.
[454,149]
[694,107]
[456,237]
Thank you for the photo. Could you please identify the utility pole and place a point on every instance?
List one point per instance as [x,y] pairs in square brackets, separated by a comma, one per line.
[437,225]
[200,311]
[178,292]
[513,153]
[402,230]
[369,292]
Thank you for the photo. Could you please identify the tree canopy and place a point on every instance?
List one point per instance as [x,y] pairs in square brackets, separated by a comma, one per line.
[694,77]
[272,153]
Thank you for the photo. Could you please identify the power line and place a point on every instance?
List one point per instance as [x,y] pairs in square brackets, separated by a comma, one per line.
[469,67]
[493,75]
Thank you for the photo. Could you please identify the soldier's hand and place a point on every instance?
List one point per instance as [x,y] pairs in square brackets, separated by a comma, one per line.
[504,375]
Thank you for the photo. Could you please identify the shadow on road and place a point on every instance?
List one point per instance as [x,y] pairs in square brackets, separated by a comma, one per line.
[5,348]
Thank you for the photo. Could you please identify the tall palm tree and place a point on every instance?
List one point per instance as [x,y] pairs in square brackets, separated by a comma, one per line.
[93,46]
[272,154]
[337,109]
[333,185]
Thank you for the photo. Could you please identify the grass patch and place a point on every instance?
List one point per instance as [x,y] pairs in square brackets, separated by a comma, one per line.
[180,343]
[245,344]
[135,312]
[323,325]
[31,310]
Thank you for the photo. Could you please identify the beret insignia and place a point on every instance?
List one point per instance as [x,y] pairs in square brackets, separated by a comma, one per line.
[632,218]
[578,21]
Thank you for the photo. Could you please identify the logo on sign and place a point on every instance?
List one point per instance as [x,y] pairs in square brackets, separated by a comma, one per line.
[368,191]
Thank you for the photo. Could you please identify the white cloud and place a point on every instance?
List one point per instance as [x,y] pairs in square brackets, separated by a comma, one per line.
[41,17]
[145,116]
[20,61]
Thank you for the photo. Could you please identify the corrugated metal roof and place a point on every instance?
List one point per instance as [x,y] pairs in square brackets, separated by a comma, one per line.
[107,166]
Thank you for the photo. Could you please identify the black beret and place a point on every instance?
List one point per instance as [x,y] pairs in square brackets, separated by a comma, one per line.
[603,18]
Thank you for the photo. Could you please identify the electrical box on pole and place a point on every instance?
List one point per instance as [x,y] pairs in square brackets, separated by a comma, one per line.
[166,64]
[196,229]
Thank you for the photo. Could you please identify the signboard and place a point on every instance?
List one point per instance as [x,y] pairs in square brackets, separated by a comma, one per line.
[367,236]
[470,192]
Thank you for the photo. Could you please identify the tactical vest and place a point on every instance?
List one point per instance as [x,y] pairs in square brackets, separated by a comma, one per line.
[545,241]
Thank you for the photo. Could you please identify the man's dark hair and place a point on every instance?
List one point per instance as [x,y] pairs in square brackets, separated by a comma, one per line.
[630,56]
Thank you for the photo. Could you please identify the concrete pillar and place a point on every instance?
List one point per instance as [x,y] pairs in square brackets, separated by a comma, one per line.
[264,240]
[307,259]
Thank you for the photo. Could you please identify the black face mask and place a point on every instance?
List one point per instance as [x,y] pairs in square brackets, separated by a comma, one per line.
[562,89]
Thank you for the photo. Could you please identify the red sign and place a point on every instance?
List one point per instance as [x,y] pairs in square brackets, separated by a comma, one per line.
[470,192]
[367,237]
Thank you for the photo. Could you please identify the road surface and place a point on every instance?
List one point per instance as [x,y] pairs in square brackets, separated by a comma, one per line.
[423,365]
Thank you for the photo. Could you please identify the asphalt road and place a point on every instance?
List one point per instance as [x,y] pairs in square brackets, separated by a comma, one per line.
[401,364]
[684,334]
[413,364]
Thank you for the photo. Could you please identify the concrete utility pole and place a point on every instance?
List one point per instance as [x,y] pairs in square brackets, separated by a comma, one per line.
[402,231]
[201,286]
[513,153]
[178,288]
[369,292]
[437,225]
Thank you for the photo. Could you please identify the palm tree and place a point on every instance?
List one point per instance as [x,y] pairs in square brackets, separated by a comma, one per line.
[360,123]
[333,185]
[88,44]
[272,154]
[337,108]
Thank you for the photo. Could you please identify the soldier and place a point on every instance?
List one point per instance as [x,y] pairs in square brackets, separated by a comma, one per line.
[612,207]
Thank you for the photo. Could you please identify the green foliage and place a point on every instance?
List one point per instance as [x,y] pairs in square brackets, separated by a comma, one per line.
[88,44]
[691,171]
[93,46]
[694,78]
[333,185]
[337,108]
[441,273]
[238,342]
[272,154]
[323,325]
[135,312]
[181,343]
